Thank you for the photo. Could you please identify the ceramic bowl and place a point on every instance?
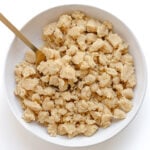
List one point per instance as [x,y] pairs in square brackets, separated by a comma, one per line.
[33,30]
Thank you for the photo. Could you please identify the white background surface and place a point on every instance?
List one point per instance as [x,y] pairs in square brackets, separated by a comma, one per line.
[135,14]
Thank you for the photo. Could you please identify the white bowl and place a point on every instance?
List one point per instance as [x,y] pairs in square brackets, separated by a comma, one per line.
[33,30]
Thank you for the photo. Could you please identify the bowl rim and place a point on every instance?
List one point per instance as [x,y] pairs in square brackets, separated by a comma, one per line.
[95,142]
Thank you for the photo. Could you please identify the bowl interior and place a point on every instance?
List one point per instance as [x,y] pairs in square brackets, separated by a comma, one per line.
[33,30]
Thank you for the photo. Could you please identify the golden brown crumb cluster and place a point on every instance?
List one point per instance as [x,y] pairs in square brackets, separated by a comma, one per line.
[86,81]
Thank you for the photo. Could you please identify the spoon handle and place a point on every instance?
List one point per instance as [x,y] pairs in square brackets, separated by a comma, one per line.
[17,32]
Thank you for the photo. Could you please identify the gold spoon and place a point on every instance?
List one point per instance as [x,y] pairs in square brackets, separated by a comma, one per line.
[39,55]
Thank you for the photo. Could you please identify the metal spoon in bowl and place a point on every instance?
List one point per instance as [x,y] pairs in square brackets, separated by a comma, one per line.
[39,55]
